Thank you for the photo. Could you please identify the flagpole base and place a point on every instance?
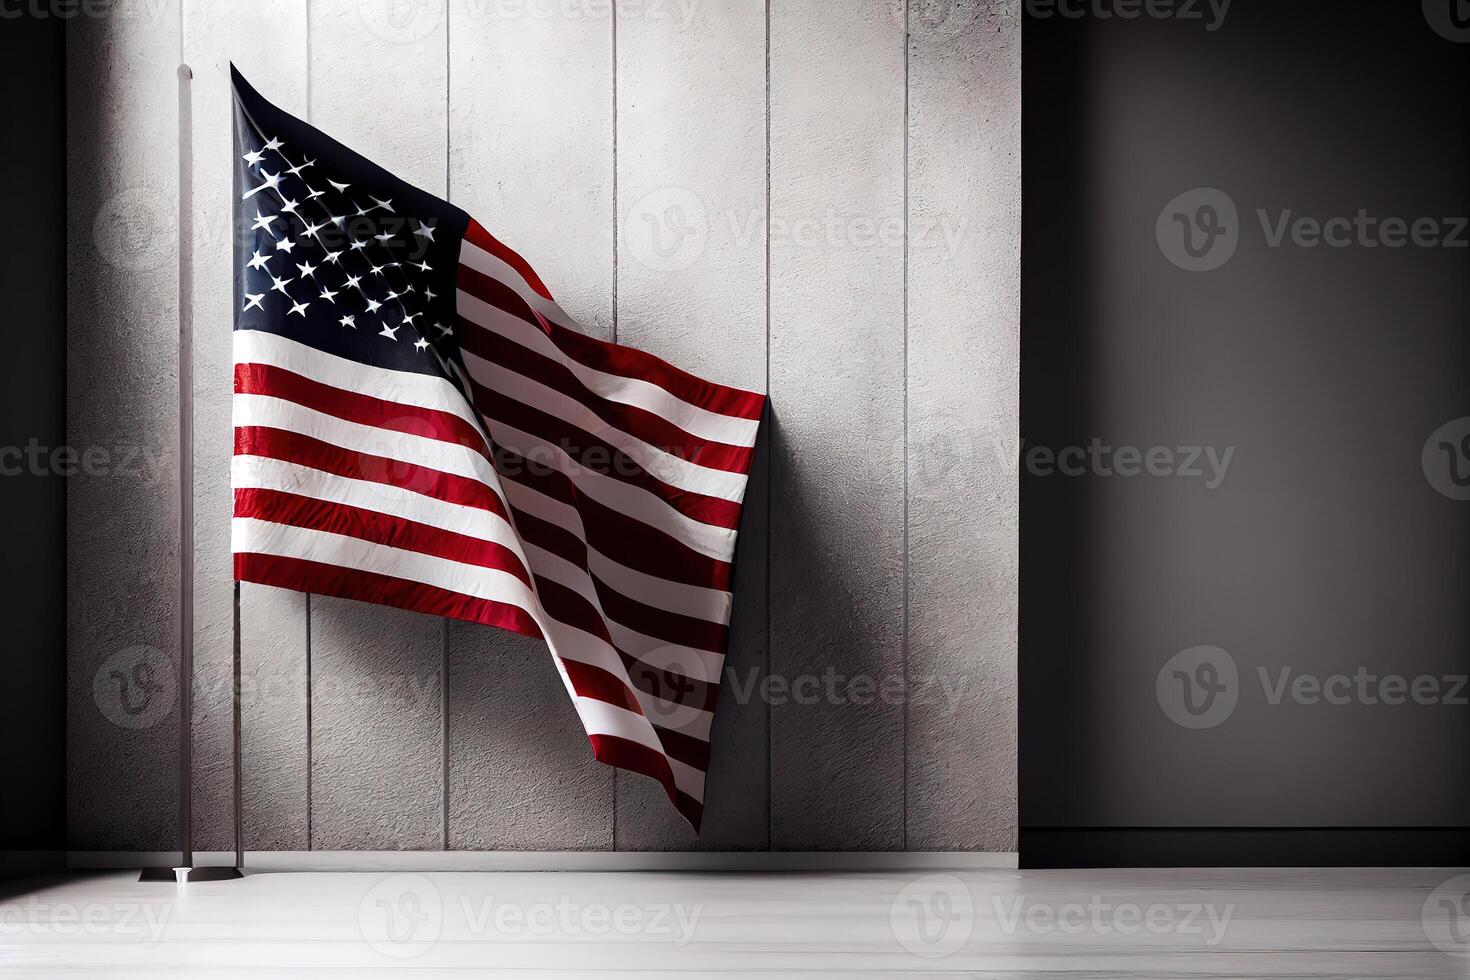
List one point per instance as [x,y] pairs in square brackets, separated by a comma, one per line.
[181,875]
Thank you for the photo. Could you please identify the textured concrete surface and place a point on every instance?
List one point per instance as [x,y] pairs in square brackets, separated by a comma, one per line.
[837,450]
[963,391]
[627,163]
[122,509]
[531,156]
[276,802]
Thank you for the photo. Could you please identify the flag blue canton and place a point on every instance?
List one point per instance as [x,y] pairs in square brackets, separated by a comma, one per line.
[335,252]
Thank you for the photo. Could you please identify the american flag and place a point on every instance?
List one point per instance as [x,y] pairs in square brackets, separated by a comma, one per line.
[418,424]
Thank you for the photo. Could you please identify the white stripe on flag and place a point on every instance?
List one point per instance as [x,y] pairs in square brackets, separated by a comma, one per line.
[614,387]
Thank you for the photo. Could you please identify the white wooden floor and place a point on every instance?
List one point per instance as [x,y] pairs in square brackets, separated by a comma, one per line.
[988,923]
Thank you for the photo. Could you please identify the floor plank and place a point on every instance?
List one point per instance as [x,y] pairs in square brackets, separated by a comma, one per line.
[1014,924]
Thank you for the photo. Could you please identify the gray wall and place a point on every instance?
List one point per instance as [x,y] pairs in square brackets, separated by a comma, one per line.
[33,432]
[1328,549]
[797,197]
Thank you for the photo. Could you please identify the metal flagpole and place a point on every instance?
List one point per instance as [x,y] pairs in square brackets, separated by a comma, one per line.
[186,871]
[235,736]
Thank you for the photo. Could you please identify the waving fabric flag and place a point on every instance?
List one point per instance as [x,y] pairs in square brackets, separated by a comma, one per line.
[418,424]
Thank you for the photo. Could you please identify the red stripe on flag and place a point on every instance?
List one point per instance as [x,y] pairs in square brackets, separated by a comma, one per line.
[367,525]
[686,748]
[594,682]
[477,234]
[637,422]
[615,359]
[589,453]
[567,606]
[626,540]
[347,583]
[292,447]
[625,754]
[267,379]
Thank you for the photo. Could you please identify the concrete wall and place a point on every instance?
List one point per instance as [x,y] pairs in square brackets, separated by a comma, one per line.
[816,198]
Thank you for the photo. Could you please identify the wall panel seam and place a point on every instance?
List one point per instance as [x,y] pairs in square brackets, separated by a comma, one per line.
[310,753]
[770,454]
[444,632]
[613,8]
[310,758]
[904,558]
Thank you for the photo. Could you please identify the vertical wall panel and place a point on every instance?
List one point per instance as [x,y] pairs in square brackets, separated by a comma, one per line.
[963,390]
[837,451]
[531,158]
[268,44]
[378,82]
[691,288]
[122,502]
[274,759]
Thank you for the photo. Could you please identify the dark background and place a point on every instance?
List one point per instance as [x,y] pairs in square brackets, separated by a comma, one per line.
[33,406]
[1326,548]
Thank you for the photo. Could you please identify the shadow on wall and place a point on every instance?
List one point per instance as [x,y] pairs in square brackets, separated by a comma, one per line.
[826,740]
